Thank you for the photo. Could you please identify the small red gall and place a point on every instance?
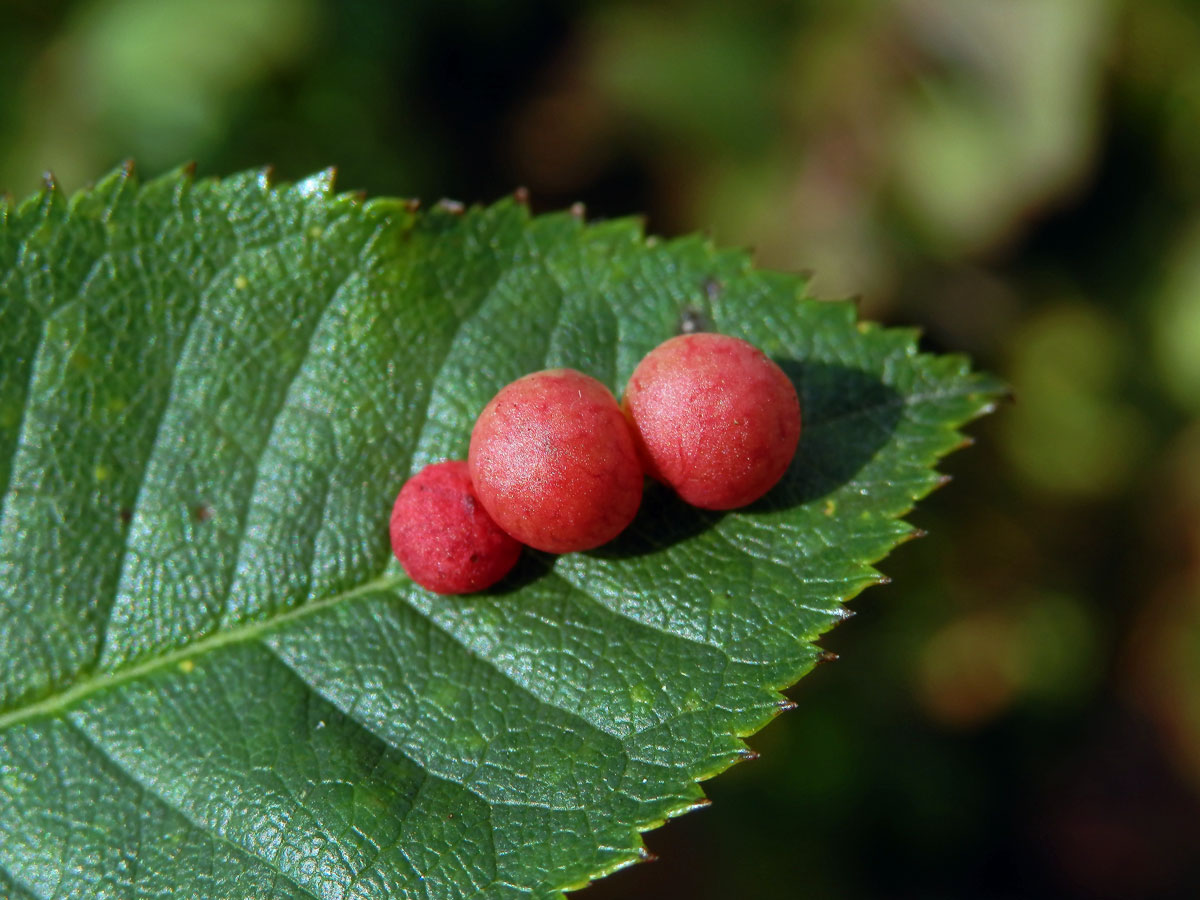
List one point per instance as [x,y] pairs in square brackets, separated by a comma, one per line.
[553,461]
[713,418]
[442,535]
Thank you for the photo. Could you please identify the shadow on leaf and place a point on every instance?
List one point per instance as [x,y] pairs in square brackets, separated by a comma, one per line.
[531,566]
[663,520]
[848,415]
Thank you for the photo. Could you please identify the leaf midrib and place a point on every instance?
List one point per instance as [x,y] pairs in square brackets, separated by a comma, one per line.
[248,631]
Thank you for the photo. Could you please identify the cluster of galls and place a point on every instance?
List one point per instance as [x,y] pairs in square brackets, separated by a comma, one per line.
[556,464]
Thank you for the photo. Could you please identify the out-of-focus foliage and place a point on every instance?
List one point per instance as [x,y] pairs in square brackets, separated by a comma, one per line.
[1175,319]
[832,136]
[152,80]
[1073,432]
[1018,713]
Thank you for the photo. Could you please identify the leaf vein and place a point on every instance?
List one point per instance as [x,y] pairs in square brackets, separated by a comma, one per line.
[149,789]
[108,603]
[63,700]
[8,877]
[527,688]
[283,405]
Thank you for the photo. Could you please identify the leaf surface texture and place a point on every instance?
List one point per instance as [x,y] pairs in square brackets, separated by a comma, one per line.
[214,677]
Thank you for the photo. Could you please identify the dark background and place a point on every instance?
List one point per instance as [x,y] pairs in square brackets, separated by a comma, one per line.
[1018,714]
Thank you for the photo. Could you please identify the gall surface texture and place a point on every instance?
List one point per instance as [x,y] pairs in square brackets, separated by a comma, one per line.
[444,537]
[713,418]
[553,461]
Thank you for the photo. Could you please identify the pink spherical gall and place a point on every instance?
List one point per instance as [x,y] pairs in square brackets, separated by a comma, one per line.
[713,418]
[553,461]
[444,537]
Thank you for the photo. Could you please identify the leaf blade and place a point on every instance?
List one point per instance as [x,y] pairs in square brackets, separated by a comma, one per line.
[289,356]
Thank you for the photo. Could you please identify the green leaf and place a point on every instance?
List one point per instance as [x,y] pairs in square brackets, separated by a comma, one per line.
[214,678]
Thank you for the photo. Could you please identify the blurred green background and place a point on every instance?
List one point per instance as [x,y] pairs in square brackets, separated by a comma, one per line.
[1018,715]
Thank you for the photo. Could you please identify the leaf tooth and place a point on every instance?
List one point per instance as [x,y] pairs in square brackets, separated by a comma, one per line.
[412,204]
[317,186]
[644,855]
[176,180]
[578,210]
[44,202]
[640,855]
[745,754]
[453,207]
[786,704]
[521,195]
[827,656]
[700,802]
